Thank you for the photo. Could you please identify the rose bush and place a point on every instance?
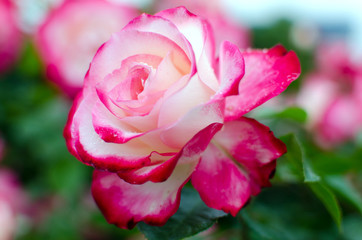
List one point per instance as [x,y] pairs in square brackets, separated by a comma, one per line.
[158,108]
[71,34]
[10,35]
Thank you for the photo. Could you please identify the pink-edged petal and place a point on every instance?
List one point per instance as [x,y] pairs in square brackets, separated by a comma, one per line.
[146,122]
[113,78]
[229,30]
[162,26]
[267,74]
[159,169]
[85,144]
[126,94]
[114,130]
[127,43]
[231,69]
[162,165]
[197,118]
[69,130]
[206,72]
[220,182]
[179,103]
[166,75]
[196,30]
[123,99]
[237,163]
[224,27]
[110,128]
[125,204]
[109,103]
[199,33]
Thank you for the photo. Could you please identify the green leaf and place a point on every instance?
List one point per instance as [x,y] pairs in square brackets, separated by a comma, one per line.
[309,174]
[293,158]
[192,217]
[263,231]
[329,200]
[294,113]
[299,165]
[352,227]
[346,190]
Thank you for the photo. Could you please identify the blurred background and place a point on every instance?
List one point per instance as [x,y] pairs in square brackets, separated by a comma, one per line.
[46,47]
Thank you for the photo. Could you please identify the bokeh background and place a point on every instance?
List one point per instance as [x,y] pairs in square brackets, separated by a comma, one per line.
[316,193]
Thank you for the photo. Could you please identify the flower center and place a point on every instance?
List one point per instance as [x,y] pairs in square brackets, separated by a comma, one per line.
[139,75]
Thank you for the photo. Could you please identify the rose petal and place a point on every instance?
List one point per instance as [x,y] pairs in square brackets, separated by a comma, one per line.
[162,165]
[267,74]
[166,75]
[206,71]
[197,118]
[237,163]
[224,27]
[110,128]
[232,69]
[113,52]
[125,204]
[179,103]
[221,183]
[112,81]
[196,30]
[199,33]
[84,143]
[164,27]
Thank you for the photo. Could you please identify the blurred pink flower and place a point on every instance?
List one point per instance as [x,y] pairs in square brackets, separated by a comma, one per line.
[224,27]
[2,148]
[10,35]
[12,202]
[332,96]
[71,34]
[159,108]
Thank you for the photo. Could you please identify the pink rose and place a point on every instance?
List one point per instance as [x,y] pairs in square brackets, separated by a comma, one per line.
[154,97]
[224,27]
[71,34]
[332,96]
[10,35]
[11,204]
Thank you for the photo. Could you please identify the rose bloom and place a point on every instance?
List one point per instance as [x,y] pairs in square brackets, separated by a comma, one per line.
[11,204]
[332,96]
[158,108]
[224,27]
[71,34]
[10,35]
